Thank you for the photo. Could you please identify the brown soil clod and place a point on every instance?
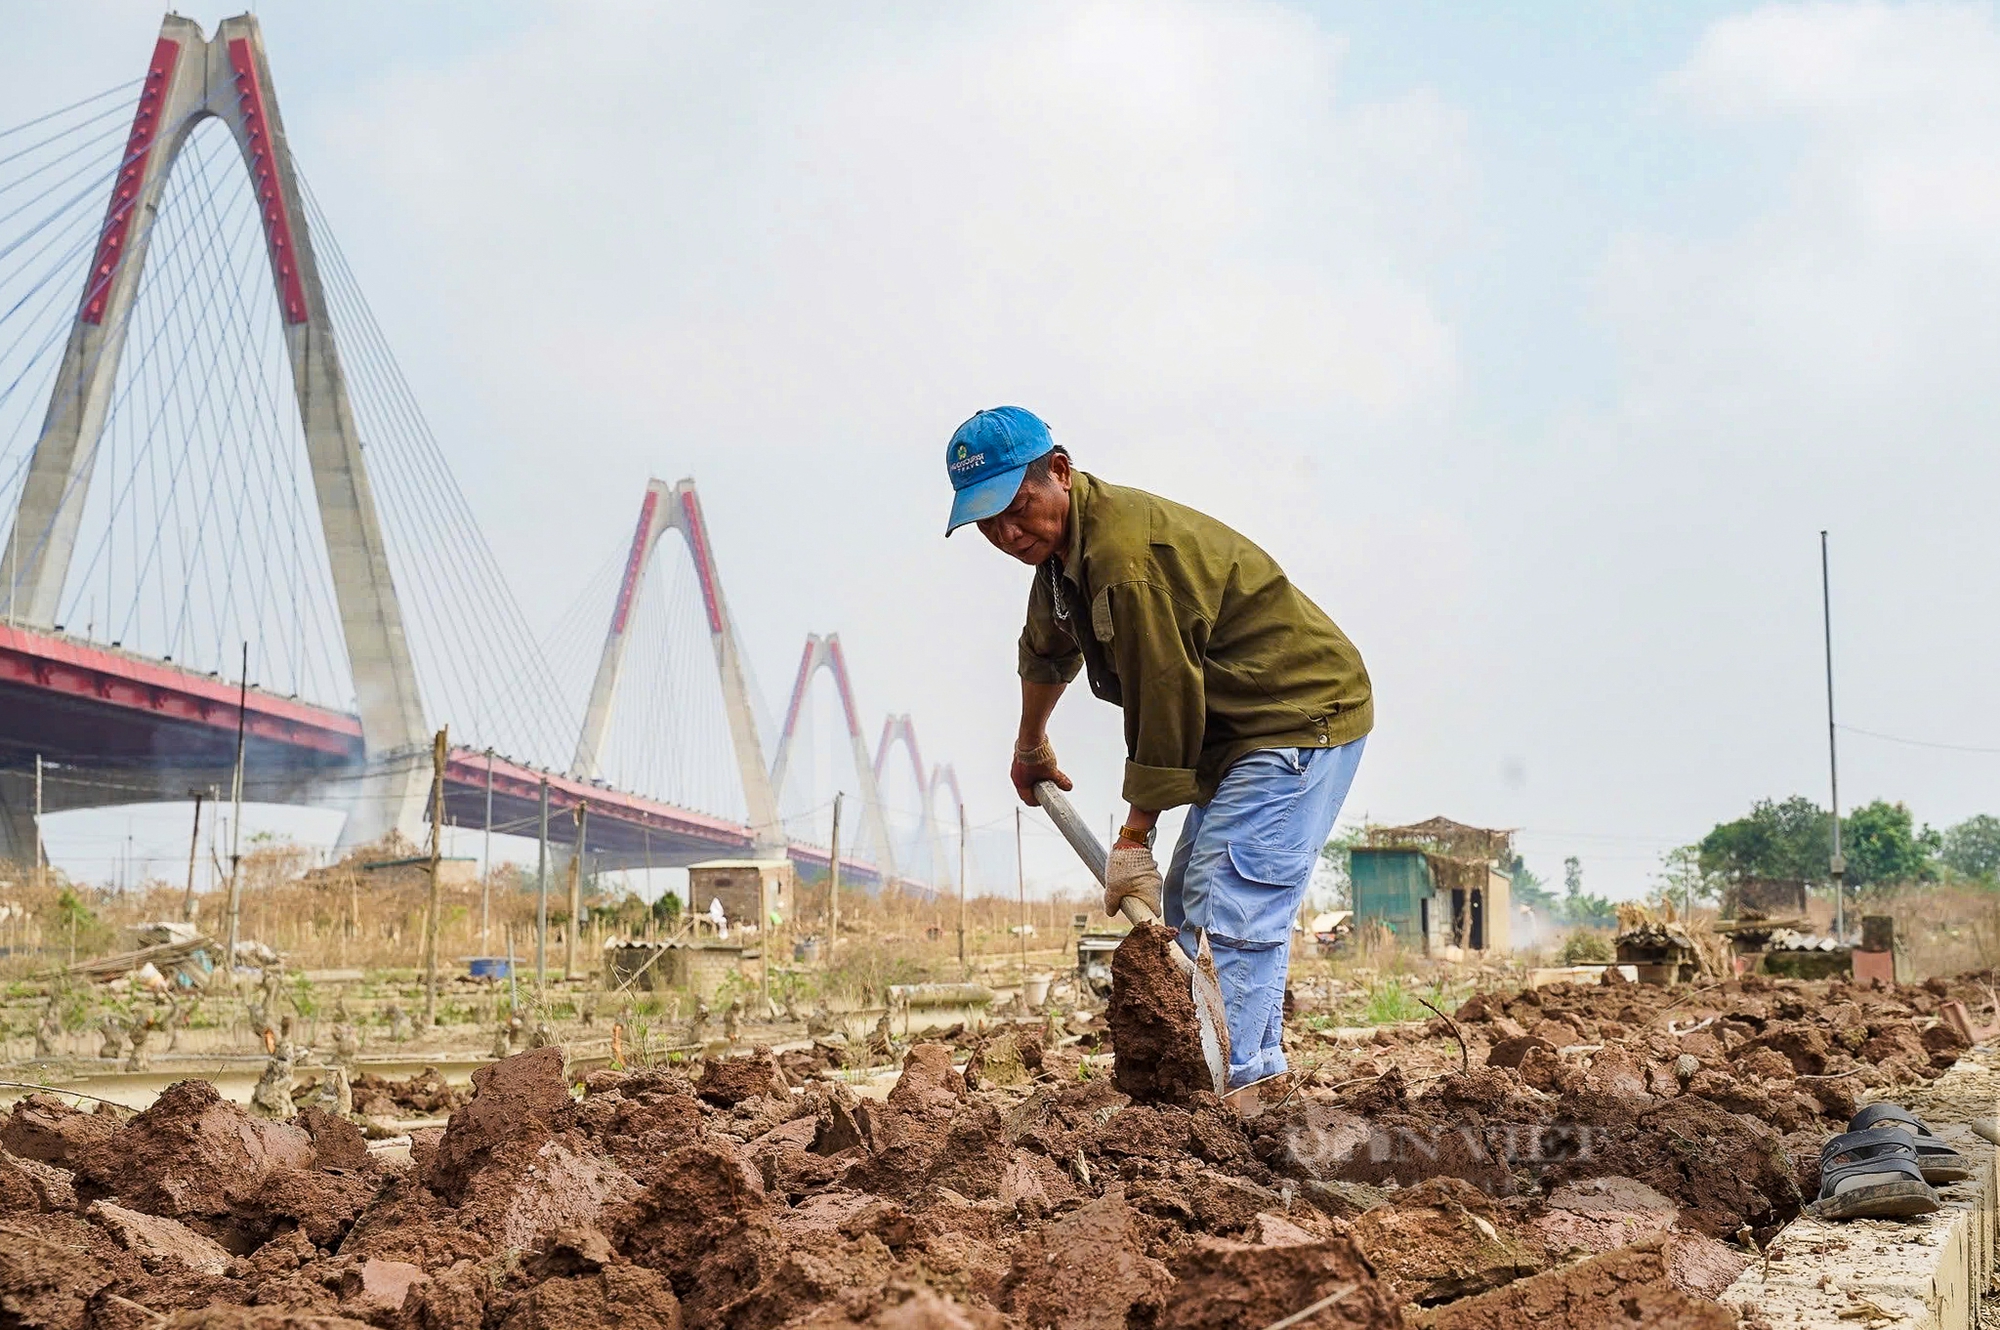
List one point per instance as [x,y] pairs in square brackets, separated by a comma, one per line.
[1222,1284]
[1624,1287]
[516,1098]
[1442,1240]
[1406,1182]
[44,1128]
[727,1082]
[1086,1271]
[928,1082]
[1155,1033]
[196,1157]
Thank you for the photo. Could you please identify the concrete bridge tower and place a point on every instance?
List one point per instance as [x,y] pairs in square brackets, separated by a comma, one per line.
[676,508]
[228,78]
[823,653]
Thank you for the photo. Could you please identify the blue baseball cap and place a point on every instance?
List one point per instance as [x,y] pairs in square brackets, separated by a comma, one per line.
[987,457]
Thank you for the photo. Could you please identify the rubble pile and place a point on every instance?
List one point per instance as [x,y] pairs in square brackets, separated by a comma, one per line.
[1607,1150]
[423,1095]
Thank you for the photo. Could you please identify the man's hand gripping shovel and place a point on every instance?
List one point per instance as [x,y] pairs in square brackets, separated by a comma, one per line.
[1206,988]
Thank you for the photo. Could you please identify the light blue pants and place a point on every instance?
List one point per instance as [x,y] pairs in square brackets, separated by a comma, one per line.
[1240,871]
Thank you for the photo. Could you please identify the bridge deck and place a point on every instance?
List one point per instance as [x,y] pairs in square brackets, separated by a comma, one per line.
[150,731]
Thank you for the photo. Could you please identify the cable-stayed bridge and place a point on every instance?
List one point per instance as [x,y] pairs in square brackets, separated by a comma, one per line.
[217,473]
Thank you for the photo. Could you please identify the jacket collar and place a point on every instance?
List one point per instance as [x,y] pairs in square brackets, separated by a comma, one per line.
[1079,500]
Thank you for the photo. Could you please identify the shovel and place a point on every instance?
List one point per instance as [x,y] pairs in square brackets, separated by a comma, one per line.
[1206,988]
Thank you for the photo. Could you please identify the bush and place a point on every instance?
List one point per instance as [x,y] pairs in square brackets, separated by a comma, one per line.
[1583,947]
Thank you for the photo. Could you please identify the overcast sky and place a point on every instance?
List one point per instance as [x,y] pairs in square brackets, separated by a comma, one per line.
[1537,346]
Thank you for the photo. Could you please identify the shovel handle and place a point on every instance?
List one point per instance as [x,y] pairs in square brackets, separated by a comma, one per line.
[1063,813]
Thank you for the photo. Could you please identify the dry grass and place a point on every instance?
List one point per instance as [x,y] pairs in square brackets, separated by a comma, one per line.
[344,917]
[335,918]
[1944,930]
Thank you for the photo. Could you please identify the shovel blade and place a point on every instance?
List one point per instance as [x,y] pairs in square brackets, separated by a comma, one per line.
[1207,988]
[1208,1010]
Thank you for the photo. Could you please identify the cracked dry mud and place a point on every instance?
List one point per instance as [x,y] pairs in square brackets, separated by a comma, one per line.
[1608,1168]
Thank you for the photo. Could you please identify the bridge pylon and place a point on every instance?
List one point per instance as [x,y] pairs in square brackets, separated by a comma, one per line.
[677,508]
[942,774]
[898,729]
[823,653]
[192,78]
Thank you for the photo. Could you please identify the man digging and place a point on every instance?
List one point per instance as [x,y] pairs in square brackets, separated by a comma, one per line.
[1241,699]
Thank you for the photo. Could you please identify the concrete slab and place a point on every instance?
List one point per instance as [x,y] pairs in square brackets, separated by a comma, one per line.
[1914,1274]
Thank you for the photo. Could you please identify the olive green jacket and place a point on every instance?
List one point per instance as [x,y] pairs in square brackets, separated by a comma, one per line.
[1197,634]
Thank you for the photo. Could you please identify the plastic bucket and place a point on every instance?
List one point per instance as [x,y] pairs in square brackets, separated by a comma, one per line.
[1036,989]
[488,967]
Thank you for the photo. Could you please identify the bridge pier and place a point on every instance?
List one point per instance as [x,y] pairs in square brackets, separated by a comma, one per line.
[17,818]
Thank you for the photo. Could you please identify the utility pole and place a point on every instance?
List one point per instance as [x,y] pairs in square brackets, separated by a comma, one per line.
[581,813]
[438,754]
[513,979]
[961,887]
[1021,890]
[542,897]
[1839,863]
[194,844]
[236,820]
[646,835]
[833,886]
[41,858]
[486,861]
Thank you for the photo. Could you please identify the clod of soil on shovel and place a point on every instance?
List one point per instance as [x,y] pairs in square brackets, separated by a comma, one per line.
[1155,1035]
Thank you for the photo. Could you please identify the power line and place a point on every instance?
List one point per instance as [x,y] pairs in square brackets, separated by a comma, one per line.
[1918,743]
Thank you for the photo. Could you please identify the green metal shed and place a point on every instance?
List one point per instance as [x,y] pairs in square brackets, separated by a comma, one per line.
[1394,886]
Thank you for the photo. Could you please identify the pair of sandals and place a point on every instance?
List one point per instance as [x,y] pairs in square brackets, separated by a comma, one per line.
[1884,1167]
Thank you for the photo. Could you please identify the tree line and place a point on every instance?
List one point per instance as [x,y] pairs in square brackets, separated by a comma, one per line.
[1882,844]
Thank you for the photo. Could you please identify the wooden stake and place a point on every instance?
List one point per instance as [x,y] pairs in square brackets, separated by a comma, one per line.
[236,822]
[1021,889]
[194,843]
[486,861]
[961,889]
[542,897]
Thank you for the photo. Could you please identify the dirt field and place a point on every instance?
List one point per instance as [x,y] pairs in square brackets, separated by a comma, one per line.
[1595,1154]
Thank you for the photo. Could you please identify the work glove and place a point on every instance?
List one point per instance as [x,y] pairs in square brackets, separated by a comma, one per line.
[1035,764]
[1131,872]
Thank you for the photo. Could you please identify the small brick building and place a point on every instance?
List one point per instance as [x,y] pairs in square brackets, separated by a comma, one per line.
[752,891]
